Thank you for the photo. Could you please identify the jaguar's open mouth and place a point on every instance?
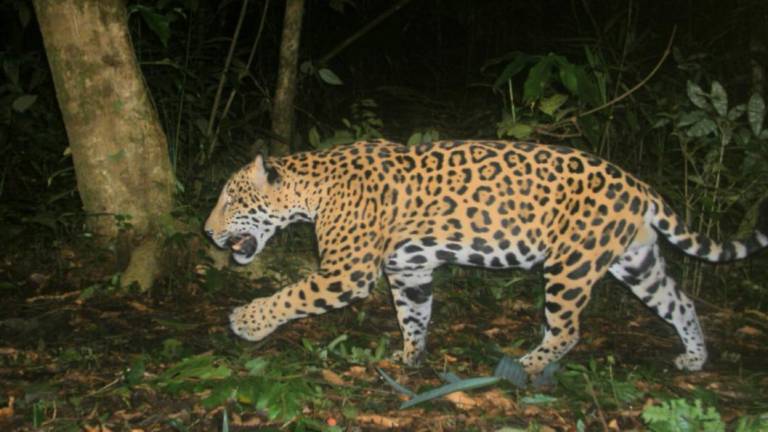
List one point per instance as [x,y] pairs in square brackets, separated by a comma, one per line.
[243,247]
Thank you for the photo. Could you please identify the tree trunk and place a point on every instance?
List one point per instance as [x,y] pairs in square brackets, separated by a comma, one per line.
[285,91]
[118,148]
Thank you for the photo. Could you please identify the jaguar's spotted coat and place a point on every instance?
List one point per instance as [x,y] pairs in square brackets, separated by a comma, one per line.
[380,206]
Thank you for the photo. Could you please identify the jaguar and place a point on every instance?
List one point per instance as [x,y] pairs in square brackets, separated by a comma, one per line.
[382,207]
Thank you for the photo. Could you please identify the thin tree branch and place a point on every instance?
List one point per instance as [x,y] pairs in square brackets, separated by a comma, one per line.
[233,92]
[637,86]
[574,119]
[223,77]
[360,33]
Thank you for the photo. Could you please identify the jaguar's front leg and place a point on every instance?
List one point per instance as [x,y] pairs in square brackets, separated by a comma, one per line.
[316,294]
[412,295]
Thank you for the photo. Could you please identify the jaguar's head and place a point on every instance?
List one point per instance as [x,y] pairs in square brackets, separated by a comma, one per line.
[244,217]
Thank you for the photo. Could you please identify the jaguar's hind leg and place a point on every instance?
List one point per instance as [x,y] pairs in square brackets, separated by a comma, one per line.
[568,287]
[643,269]
[412,295]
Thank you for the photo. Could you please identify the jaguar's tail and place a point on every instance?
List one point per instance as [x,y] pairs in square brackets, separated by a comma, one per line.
[668,223]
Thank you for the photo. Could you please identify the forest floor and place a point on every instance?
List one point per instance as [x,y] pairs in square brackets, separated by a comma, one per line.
[75,358]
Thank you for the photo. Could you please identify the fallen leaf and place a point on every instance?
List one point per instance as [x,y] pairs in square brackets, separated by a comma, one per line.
[7,412]
[461,400]
[37,280]
[125,415]
[598,342]
[749,331]
[332,377]
[449,358]
[491,332]
[252,422]
[139,307]
[682,383]
[378,420]
[503,321]
[531,410]
[97,428]
[614,425]
[9,352]
[358,372]
[495,399]
[386,364]
[761,315]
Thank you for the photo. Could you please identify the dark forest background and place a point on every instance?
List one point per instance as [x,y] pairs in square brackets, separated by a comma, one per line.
[434,69]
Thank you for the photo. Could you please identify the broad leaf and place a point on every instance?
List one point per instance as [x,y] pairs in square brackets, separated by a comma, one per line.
[553,103]
[569,77]
[158,23]
[513,68]
[697,95]
[737,112]
[719,98]
[756,113]
[467,384]
[449,377]
[538,79]
[329,77]
[396,385]
[23,102]
[515,130]
[414,139]
[702,128]
[537,399]
[314,137]
[689,118]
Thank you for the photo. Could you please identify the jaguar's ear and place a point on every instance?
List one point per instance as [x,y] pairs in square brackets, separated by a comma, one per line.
[261,173]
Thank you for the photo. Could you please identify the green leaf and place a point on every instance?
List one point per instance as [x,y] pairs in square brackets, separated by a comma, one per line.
[414,139]
[538,79]
[24,13]
[23,102]
[553,103]
[449,377]
[11,69]
[756,113]
[678,415]
[467,384]
[520,61]
[314,137]
[588,90]
[719,98]
[135,373]
[736,112]
[697,95]
[175,325]
[702,128]
[158,23]
[329,77]
[200,367]
[256,366]
[516,130]
[569,77]
[689,118]
[537,399]
[396,385]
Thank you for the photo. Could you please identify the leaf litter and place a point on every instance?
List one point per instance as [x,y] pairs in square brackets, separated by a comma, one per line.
[160,363]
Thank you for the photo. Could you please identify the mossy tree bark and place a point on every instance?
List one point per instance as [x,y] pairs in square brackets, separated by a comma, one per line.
[119,150]
[285,91]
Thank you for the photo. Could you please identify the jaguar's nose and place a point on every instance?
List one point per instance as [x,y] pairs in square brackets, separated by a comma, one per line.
[209,233]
